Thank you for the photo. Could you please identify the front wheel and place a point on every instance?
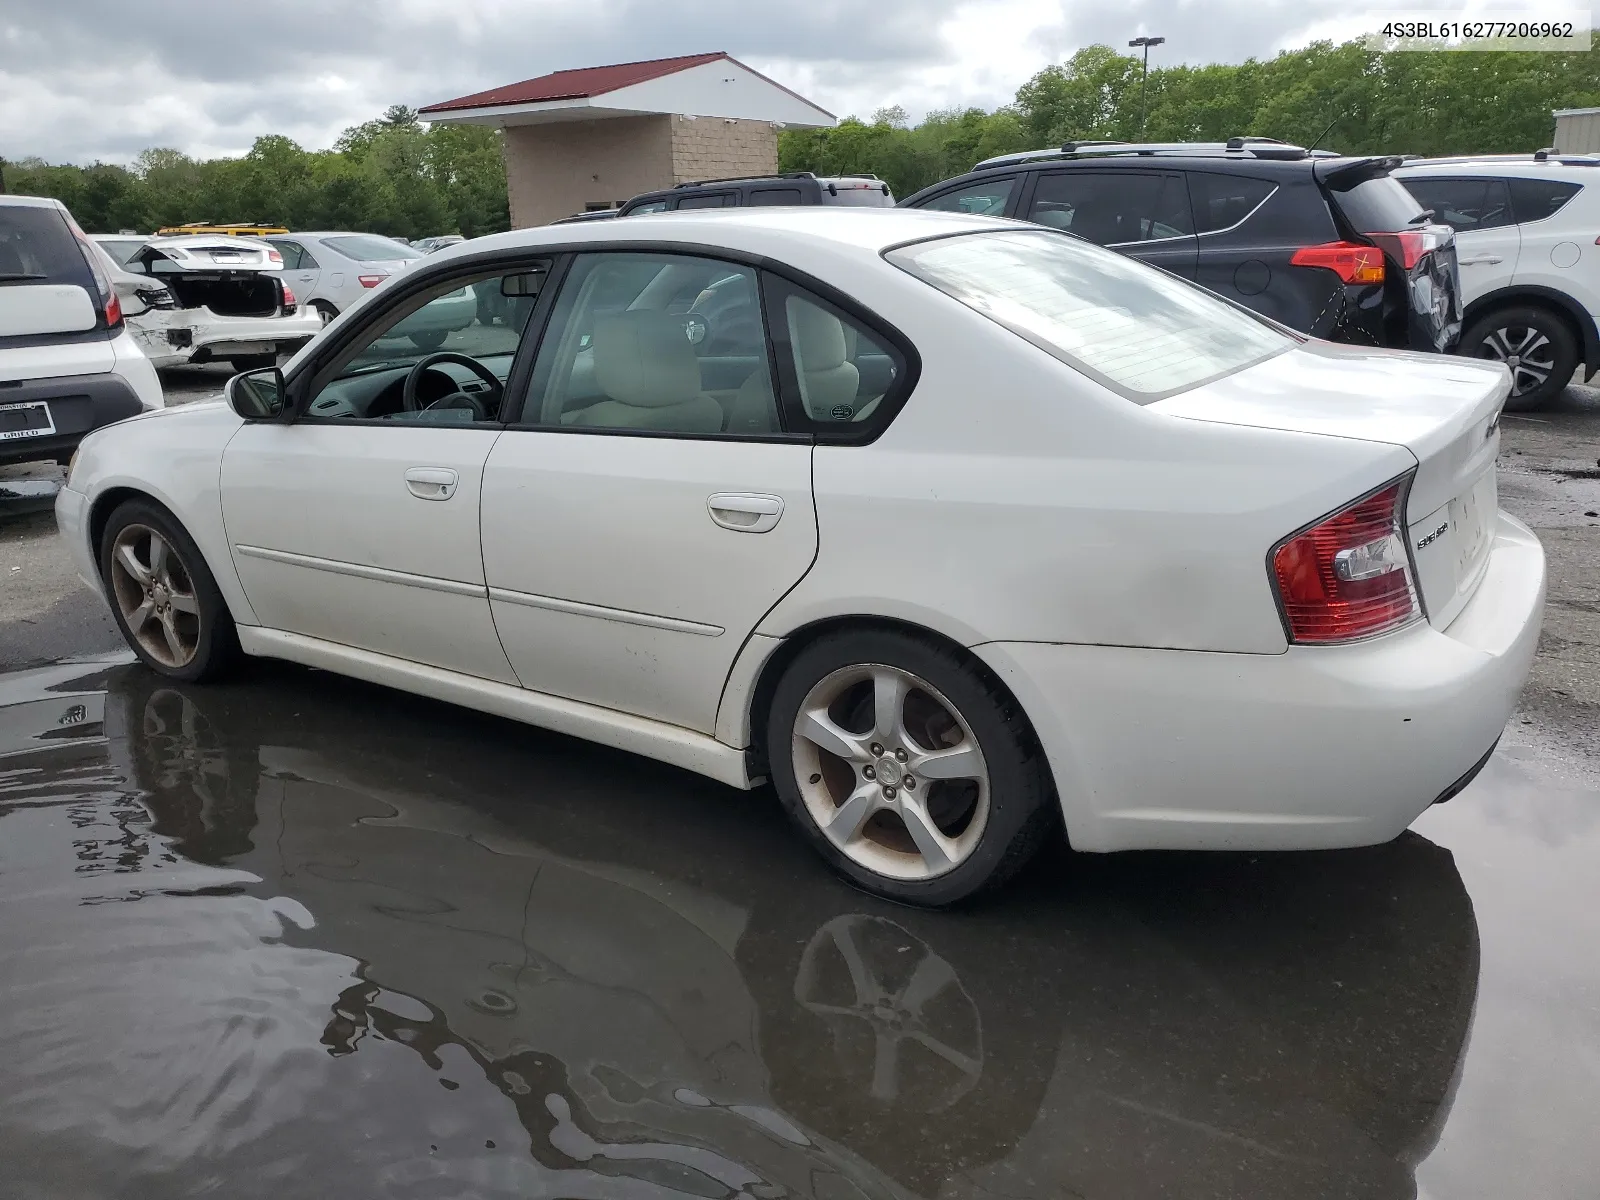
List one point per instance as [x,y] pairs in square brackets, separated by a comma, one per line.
[911,773]
[163,596]
[429,341]
[1534,343]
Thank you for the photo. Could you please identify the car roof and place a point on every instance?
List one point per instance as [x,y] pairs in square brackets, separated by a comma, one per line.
[1578,167]
[785,233]
[30,201]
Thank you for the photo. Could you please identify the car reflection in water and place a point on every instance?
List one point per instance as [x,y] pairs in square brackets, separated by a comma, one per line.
[342,941]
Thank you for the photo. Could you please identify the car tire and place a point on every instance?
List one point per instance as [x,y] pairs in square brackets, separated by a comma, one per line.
[862,800]
[165,601]
[1539,342]
[253,362]
[430,341]
[324,310]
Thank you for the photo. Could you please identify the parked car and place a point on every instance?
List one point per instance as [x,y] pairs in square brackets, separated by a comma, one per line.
[429,245]
[120,246]
[1329,245]
[978,530]
[795,188]
[331,271]
[1530,269]
[68,363]
[224,302]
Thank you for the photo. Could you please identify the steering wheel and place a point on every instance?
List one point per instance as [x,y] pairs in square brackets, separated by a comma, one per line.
[479,407]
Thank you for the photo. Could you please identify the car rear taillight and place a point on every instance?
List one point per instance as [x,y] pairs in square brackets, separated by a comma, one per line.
[288,297]
[1409,245]
[1349,575]
[275,258]
[371,281]
[113,311]
[1350,261]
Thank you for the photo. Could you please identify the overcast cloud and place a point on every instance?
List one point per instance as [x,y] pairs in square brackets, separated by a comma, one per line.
[82,80]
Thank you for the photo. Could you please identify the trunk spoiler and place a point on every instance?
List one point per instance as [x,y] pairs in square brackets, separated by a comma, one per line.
[1342,174]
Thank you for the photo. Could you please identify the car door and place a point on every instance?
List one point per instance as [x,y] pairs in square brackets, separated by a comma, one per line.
[1144,214]
[301,270]
[646,509]
[1488,241]
[357,521]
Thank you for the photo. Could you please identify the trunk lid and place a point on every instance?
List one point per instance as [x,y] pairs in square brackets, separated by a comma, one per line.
[1423,282]
[1445,411]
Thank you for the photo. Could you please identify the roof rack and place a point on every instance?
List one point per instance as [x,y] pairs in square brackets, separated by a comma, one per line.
[749,178]
[1256,147]
[1548,155]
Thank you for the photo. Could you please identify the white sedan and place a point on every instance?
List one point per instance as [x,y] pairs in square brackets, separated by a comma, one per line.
[955,530]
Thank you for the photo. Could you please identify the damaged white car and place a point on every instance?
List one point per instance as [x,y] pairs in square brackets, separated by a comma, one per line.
[227,305]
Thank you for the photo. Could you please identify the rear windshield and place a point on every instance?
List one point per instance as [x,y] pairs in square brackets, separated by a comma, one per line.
[37,246]
[366,247]
[121,249]
[1380,205]
[1141,332]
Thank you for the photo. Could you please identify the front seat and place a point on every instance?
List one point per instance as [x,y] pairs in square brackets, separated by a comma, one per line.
[644,364]
[828,379]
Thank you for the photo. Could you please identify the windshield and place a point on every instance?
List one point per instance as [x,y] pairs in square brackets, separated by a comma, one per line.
[1141,332]
[369,247]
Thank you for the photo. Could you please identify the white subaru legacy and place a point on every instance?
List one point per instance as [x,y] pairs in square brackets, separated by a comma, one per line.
[955,530]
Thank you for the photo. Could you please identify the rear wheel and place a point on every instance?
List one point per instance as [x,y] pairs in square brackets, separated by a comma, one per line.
[915,776]
[428,341]
[1536,344]
[163,596]
[324,310]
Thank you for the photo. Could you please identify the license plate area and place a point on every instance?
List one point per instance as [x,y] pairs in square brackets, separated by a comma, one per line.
[26,420]
[1470,514]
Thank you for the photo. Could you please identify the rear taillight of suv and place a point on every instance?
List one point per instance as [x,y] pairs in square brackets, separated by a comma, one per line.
[1350,261]
[1349,576]
[1410,245]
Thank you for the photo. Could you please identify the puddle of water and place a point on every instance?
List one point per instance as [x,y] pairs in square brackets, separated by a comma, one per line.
[298,936]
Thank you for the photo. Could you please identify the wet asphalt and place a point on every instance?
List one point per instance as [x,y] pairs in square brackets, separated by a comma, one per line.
[298,936]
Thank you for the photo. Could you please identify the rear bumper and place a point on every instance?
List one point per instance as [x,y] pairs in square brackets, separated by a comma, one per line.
[1315,748]
[173,337]
[77,404]
[72,523]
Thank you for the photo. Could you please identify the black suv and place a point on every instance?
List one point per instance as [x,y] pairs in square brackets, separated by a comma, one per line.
[794,188]
[1326,244]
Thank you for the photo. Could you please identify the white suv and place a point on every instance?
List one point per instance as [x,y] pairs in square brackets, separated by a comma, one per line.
[1526,243]
[67,362]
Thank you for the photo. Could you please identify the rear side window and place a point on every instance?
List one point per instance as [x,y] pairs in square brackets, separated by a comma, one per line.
[763,197]
[716,200]
[1465,204]
[1536,199]
[292,254]
[1112,208]
[983,199]
[37,246]
[1141,332]
[1378,204]
[1222,201]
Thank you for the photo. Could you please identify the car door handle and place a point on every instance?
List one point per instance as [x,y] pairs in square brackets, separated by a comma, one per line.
[745,512]
[432,483]
[1490,259]
[307,278]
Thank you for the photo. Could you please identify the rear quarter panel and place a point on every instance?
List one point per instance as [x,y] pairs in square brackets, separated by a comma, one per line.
[1015,499]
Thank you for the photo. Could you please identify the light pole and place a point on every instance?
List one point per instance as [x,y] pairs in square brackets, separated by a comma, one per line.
[1144,79]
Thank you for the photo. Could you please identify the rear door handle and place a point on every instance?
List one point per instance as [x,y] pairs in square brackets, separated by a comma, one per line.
[1490,259]
[432,483]
[745,512]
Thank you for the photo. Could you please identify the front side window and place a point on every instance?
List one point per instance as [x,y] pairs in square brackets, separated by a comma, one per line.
[431,360]
[1536,199]
[1465,204]
[767,197]
[1112,208]
[1139,331]
[653,206]
[655,343]
[986,199]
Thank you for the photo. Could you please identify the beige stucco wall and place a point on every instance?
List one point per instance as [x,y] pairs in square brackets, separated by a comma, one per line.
[555,170]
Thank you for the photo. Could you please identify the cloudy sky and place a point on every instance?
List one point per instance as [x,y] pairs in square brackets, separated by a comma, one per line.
[82,80]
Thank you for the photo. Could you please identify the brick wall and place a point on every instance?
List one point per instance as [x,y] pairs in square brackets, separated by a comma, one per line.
[721,147]
[554,170]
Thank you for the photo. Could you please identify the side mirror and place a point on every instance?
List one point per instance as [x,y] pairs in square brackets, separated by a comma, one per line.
[257,395]
[527,283]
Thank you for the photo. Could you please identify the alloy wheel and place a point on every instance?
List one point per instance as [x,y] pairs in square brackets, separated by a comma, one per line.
[155,595]
[890,772]
[1527,351]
